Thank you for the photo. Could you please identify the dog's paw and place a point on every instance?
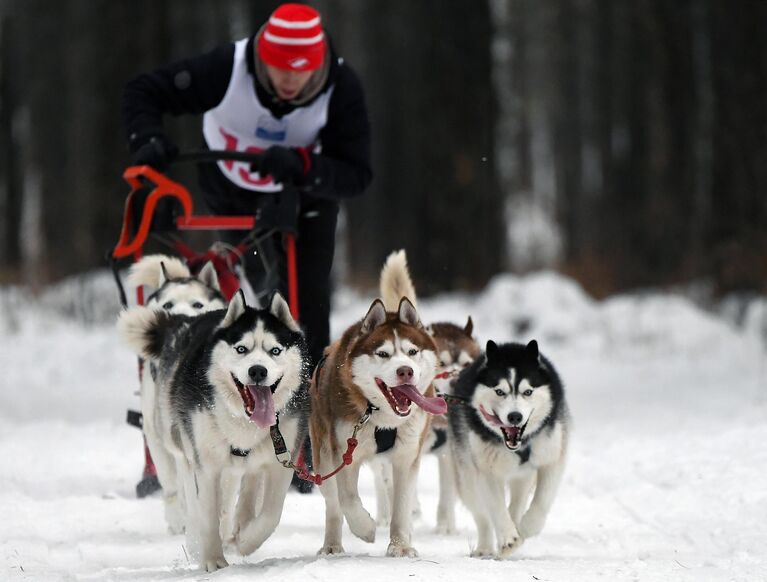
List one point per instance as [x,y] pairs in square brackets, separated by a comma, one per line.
[331,549]
[532,523]
[482,553]
[213,563]
[400,551]
[362,525]
[506,549]
[249,539]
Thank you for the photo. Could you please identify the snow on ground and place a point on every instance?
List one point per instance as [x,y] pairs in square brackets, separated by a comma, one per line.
[667,478]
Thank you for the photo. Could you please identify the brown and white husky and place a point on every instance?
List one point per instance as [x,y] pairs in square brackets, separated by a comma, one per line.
[383,366]
[456,349]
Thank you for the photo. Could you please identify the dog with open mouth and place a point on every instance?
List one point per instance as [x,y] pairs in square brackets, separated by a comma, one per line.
[378,377]
[508,430]
[456,349]
[224,379]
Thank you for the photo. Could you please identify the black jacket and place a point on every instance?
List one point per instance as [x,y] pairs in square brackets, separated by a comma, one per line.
[197,84]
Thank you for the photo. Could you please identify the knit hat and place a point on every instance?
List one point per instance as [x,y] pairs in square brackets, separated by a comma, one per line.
[293,39]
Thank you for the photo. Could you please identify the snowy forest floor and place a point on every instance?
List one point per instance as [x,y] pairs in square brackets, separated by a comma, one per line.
[666,480]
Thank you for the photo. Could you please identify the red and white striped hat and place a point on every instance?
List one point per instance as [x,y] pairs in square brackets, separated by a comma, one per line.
[293,39]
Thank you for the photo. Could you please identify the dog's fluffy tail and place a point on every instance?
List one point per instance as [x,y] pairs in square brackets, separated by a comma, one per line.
[143,329]
[395,281]
[148,271]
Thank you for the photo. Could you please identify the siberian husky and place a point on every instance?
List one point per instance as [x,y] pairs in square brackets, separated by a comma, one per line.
[175,290]
[456,350]
[224,378]
[378,370]
[511,431]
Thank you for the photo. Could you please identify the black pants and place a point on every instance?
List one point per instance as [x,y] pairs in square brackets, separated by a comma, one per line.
[315,245]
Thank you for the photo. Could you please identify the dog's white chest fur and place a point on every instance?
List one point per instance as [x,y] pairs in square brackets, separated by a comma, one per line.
[544,448]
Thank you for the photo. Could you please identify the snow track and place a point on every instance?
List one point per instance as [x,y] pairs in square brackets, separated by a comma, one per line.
[667,477]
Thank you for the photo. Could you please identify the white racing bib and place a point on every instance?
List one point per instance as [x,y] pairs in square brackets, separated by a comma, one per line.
[241,123]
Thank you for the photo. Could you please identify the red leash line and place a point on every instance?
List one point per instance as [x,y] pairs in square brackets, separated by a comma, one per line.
[316,478]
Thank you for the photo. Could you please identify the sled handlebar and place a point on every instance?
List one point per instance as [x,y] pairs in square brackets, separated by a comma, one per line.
[202,156]
[141,177]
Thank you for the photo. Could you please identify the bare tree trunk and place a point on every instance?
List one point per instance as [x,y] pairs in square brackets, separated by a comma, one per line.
[433,112]
[10,186]
[737,236]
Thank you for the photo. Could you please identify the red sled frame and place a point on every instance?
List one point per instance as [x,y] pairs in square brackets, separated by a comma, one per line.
[137,176]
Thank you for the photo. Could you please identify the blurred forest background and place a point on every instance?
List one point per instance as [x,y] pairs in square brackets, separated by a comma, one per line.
[623,142]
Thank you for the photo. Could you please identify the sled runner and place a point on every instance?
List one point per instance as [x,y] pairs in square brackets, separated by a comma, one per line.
[148,215]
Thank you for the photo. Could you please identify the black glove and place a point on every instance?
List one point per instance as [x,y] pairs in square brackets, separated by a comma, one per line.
[282,164]
[156,150]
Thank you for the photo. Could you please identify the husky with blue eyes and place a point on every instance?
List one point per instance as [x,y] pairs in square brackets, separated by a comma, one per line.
[224,379]
[508,429]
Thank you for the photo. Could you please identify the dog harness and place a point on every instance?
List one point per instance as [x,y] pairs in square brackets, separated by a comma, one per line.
[283,455]
[385,438]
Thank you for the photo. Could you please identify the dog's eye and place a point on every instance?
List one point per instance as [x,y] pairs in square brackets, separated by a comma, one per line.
[241,350]
[527,392]
[412,352]
[382,354]
[442,364]
[275,351]
[197,305]
[500,392]
[167,305]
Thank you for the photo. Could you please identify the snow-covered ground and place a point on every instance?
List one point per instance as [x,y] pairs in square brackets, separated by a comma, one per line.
[667,477]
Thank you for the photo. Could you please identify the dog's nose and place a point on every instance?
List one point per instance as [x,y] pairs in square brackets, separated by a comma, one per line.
[514,418]
[258,373]
[405,374]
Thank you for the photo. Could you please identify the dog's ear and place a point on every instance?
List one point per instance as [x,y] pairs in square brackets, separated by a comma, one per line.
[207,276]
[531,351]
[407,313]
[235,310]
[491,349]
[469,327]
[376,315]
[280,309]
[164,278]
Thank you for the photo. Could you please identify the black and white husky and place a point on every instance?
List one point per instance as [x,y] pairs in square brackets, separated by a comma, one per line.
[224,378]
[170,286]
[508,429]
[175,289]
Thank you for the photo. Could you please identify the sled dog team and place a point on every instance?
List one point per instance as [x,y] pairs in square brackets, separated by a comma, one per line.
[224,385]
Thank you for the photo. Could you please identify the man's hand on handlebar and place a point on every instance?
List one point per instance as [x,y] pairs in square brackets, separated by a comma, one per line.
[156,150]
[282,164]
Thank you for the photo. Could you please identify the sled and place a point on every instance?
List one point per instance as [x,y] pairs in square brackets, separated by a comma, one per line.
[151,188]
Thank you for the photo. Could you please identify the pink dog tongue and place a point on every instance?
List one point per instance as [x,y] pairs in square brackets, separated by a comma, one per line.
[431,404]
[263,409]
